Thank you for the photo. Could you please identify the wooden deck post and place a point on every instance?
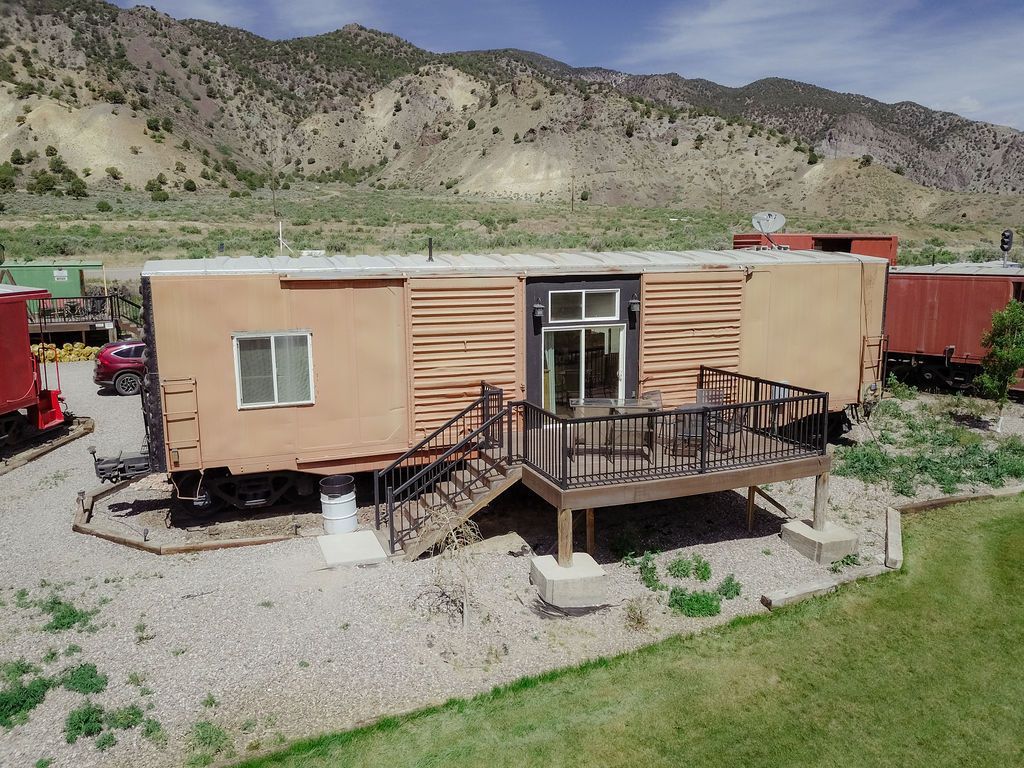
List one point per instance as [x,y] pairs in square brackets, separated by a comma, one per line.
[820,500]
[590,531]
[750,508]
[565,537]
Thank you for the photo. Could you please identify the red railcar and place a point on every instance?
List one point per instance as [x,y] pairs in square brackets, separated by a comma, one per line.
[883,246]
[936,315]
[28,404]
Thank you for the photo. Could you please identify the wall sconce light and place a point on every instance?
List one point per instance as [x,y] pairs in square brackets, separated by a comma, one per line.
[634,305]
[538,311]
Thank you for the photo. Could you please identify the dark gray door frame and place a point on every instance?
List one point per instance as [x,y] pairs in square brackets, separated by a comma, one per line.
[537,293]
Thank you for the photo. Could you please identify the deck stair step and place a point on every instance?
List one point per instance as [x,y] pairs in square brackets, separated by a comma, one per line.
[428,535]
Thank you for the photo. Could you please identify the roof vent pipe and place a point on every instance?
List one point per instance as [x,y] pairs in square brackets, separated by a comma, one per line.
[430,249]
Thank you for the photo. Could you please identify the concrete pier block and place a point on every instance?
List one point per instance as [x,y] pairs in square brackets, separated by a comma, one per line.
[831,543]
[581,585]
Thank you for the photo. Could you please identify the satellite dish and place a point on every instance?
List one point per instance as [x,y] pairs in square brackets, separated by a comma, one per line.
[767,222]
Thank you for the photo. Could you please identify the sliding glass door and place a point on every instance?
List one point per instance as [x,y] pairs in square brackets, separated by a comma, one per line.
[581,362]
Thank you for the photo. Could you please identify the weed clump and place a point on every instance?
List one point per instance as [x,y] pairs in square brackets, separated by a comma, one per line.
[729,588]
[86,720]
[64,615]
[648,571]
[680,568]
[84,678]
[695,604]
[701,568]
[18,699]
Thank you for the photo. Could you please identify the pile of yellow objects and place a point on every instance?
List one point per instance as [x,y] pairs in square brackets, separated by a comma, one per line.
[67,353]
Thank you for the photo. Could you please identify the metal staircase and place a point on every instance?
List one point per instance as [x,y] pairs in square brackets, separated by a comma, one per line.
[447,477]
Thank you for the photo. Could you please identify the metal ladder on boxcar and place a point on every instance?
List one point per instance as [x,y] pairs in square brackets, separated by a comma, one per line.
[446,478]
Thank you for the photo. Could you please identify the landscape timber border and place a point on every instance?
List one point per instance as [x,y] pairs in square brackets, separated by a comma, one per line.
[893,548]
[80,427]
[82,523]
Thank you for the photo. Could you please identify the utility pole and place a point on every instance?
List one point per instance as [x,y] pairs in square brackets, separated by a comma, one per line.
[572,194]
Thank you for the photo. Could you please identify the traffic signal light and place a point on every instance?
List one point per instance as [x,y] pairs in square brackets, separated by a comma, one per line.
[1006,242]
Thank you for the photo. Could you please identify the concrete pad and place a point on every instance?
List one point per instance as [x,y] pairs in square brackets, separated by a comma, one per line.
[355,548]
[893,539]
[583,584]
[825,546]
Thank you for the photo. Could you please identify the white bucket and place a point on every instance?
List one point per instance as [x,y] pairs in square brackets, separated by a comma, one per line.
[338,504]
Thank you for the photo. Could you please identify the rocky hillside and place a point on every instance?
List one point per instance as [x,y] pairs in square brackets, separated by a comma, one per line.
[93,96]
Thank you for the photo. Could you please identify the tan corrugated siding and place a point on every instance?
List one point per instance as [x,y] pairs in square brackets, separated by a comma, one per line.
[462,332]
[689,320]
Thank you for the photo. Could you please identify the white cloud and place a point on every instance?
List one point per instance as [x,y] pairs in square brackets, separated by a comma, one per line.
[965,61]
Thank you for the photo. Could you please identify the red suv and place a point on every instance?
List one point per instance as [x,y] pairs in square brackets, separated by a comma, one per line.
[119,365]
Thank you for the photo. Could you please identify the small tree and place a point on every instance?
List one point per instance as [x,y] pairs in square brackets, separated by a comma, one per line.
[190,186]
[471,124]
[1005,345]
[77,188]
[114,173]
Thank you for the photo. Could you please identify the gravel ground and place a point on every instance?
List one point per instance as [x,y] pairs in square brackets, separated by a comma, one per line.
[287,648]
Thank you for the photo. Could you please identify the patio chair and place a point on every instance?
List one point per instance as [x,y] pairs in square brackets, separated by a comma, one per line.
[724,428]
[589,437]
[686,430]
[633,435]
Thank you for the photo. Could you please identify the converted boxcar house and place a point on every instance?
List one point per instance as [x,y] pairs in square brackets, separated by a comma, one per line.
[596,378]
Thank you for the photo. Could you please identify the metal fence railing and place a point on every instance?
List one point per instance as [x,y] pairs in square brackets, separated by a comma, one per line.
[742,421]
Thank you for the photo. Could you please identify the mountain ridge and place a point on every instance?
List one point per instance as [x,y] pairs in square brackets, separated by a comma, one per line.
[364,106]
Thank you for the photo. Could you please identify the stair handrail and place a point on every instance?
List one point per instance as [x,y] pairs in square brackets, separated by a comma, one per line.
[460,446]
[454,449]
[487,391]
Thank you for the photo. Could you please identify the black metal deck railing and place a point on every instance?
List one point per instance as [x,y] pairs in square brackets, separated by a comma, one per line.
[743,421]
[740,421]
[83,309]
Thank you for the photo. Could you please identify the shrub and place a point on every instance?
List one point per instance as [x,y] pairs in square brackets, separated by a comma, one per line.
[471,124]
[695,604]
[77,188]
[495,130]
[17,158]
[865,161]
[50,151]
[159,196]
[190,186]
[585,195]
[179,167]
[153,123]
[675,141]
[104,207]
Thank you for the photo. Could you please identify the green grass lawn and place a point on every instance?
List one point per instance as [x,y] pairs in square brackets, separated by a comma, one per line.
[919,668]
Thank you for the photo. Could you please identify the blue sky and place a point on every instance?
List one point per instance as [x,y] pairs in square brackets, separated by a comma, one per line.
[967,57]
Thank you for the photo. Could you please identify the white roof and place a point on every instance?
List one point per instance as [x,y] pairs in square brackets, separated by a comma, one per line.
[984,268]
[10,289]
[576,262]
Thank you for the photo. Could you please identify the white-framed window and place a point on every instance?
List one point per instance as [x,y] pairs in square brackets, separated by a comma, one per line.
[576,306]
[273,368]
